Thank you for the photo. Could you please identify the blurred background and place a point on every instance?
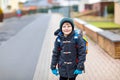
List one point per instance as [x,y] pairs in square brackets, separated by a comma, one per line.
[100,19]
[88,10]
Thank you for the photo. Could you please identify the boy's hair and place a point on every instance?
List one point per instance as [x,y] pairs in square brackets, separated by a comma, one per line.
[69,20]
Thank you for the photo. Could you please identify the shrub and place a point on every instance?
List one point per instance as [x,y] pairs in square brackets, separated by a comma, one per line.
[111,8]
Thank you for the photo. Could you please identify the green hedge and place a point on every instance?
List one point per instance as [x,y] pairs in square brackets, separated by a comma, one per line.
[106,25]
[111,8]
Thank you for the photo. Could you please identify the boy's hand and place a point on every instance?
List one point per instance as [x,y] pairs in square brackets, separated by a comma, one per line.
[78,71]
[55,72]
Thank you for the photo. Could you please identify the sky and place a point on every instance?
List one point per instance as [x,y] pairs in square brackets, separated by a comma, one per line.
[22,0]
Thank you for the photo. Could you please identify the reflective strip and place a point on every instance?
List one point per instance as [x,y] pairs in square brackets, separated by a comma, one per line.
[58,40]
[66,41]
[75,37]
[66,52]
[67,62]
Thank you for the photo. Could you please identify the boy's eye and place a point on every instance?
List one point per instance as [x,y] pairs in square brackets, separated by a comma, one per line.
[64,26]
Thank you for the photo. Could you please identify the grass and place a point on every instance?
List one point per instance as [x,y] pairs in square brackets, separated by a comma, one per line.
[98,21]
[105,25]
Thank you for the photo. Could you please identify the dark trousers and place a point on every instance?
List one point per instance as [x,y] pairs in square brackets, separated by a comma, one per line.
[63,78]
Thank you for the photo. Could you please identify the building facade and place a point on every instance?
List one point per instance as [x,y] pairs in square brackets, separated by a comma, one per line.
[100,7]
[9,5]
[96,5]
[117,12]
[54,2]
[81,6]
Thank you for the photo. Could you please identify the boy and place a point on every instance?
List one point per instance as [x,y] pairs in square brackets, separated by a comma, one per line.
[65,52]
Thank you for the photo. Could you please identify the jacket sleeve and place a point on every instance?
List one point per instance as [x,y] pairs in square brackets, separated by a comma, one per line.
[55,55]
[81,53]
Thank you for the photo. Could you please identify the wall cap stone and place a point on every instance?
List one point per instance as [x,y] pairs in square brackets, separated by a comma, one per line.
[107,34]
[88,25]
[110,35]
[80,21]
[95,29]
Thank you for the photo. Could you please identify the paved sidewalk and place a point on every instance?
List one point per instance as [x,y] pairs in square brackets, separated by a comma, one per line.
[43,66]
[99,65]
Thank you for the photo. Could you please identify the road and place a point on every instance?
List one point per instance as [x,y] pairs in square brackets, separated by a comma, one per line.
[13,25]
[21,45]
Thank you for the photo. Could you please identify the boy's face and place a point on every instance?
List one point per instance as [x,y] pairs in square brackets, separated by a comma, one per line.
[66,28]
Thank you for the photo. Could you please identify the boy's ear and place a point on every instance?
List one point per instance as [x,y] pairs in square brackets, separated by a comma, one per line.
[56,32]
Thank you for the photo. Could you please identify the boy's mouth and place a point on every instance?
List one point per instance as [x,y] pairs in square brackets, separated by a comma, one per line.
[67,30]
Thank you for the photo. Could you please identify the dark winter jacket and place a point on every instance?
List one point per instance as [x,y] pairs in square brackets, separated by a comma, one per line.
[66,57]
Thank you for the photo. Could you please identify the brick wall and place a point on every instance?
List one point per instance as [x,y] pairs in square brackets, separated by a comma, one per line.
[81,26]
[117,49]
[107,45]
[9,15]
[91,34]
[13,14]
